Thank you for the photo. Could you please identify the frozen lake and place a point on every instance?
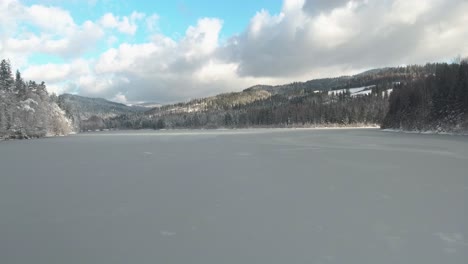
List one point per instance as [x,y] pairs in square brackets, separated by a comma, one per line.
[249,196]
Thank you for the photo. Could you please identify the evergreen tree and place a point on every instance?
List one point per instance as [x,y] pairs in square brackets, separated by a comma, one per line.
[6,78]
[27,112]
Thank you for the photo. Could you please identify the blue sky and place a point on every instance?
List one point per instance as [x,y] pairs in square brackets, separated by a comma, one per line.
[169,51]
[174,16]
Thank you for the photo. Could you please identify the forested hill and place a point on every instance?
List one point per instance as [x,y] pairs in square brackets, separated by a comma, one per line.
[83,110]
[384,76]
[436,101]
[376,79]
[356,100]
[26,109]
[430,97]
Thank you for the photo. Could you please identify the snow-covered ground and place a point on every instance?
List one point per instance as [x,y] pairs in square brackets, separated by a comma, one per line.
[354,91]
[277,196]
[426,132]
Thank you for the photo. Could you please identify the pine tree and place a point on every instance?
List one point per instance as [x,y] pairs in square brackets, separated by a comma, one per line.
[6,78]
[18,80]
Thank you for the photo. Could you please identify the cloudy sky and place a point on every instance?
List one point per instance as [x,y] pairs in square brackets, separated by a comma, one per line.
[167,51]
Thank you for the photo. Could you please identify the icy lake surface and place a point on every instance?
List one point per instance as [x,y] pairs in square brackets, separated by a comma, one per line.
[249,196]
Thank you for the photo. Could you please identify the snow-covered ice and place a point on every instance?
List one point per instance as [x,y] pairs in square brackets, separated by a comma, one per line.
[235,196]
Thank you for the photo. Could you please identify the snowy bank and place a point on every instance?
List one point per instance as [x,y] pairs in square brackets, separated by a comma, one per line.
[427,132]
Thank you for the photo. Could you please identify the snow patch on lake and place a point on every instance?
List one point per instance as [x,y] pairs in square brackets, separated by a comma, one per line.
[167,233]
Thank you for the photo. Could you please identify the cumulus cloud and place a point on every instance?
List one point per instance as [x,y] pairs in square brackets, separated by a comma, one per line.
[305,40]
[163,68]
[322,6]
[52,19]
[348,34]
[57,72]
[120,98]
[72,44]
[152,22]
[43,29]
[125,24]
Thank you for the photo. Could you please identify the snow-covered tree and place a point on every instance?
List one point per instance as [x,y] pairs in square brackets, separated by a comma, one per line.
[27,110]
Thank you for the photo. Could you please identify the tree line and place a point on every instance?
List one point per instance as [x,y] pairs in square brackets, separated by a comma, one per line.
[312,109]
[26,108]
[430,97]
[436,101]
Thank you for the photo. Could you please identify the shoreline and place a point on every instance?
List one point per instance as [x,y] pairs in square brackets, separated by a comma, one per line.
[220,131]
[240,128]
[425,132]
[244,130]
[178,131]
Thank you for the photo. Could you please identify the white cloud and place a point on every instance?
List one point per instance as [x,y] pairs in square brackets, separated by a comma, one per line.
[120,98]
[126,24]
[164,61]
[336,28]
[74,43]
[347,34]
[306,39]
[43,29]
[52,19]
[164,54]
[152,23]
[57,72]
[202,39]
[10,12]
[215,71]
[263,20]
[123,58]
[93,85]
[408,11]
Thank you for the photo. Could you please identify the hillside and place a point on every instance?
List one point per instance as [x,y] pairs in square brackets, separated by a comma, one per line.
[218,102]
[358,84]
[357,100]
[81,109]
[383,76]
[430,97]
[436,102]
[343,101]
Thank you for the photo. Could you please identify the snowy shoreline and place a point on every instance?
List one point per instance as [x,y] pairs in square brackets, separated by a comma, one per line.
[247,130]
[219,131]
[426,132]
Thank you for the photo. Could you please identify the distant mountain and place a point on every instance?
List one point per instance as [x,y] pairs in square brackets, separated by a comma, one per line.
[97,106]
[364,79]
[357,100]
[359,84]
[342,101]
[430,97]
[218,102]
[147,105]
[86,107]
[79,108]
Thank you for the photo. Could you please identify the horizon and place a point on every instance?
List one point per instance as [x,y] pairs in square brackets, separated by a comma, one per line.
[141,103]
[130,52]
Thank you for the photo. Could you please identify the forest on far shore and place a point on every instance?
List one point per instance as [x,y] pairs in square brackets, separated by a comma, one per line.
[437,102]
[418,98]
